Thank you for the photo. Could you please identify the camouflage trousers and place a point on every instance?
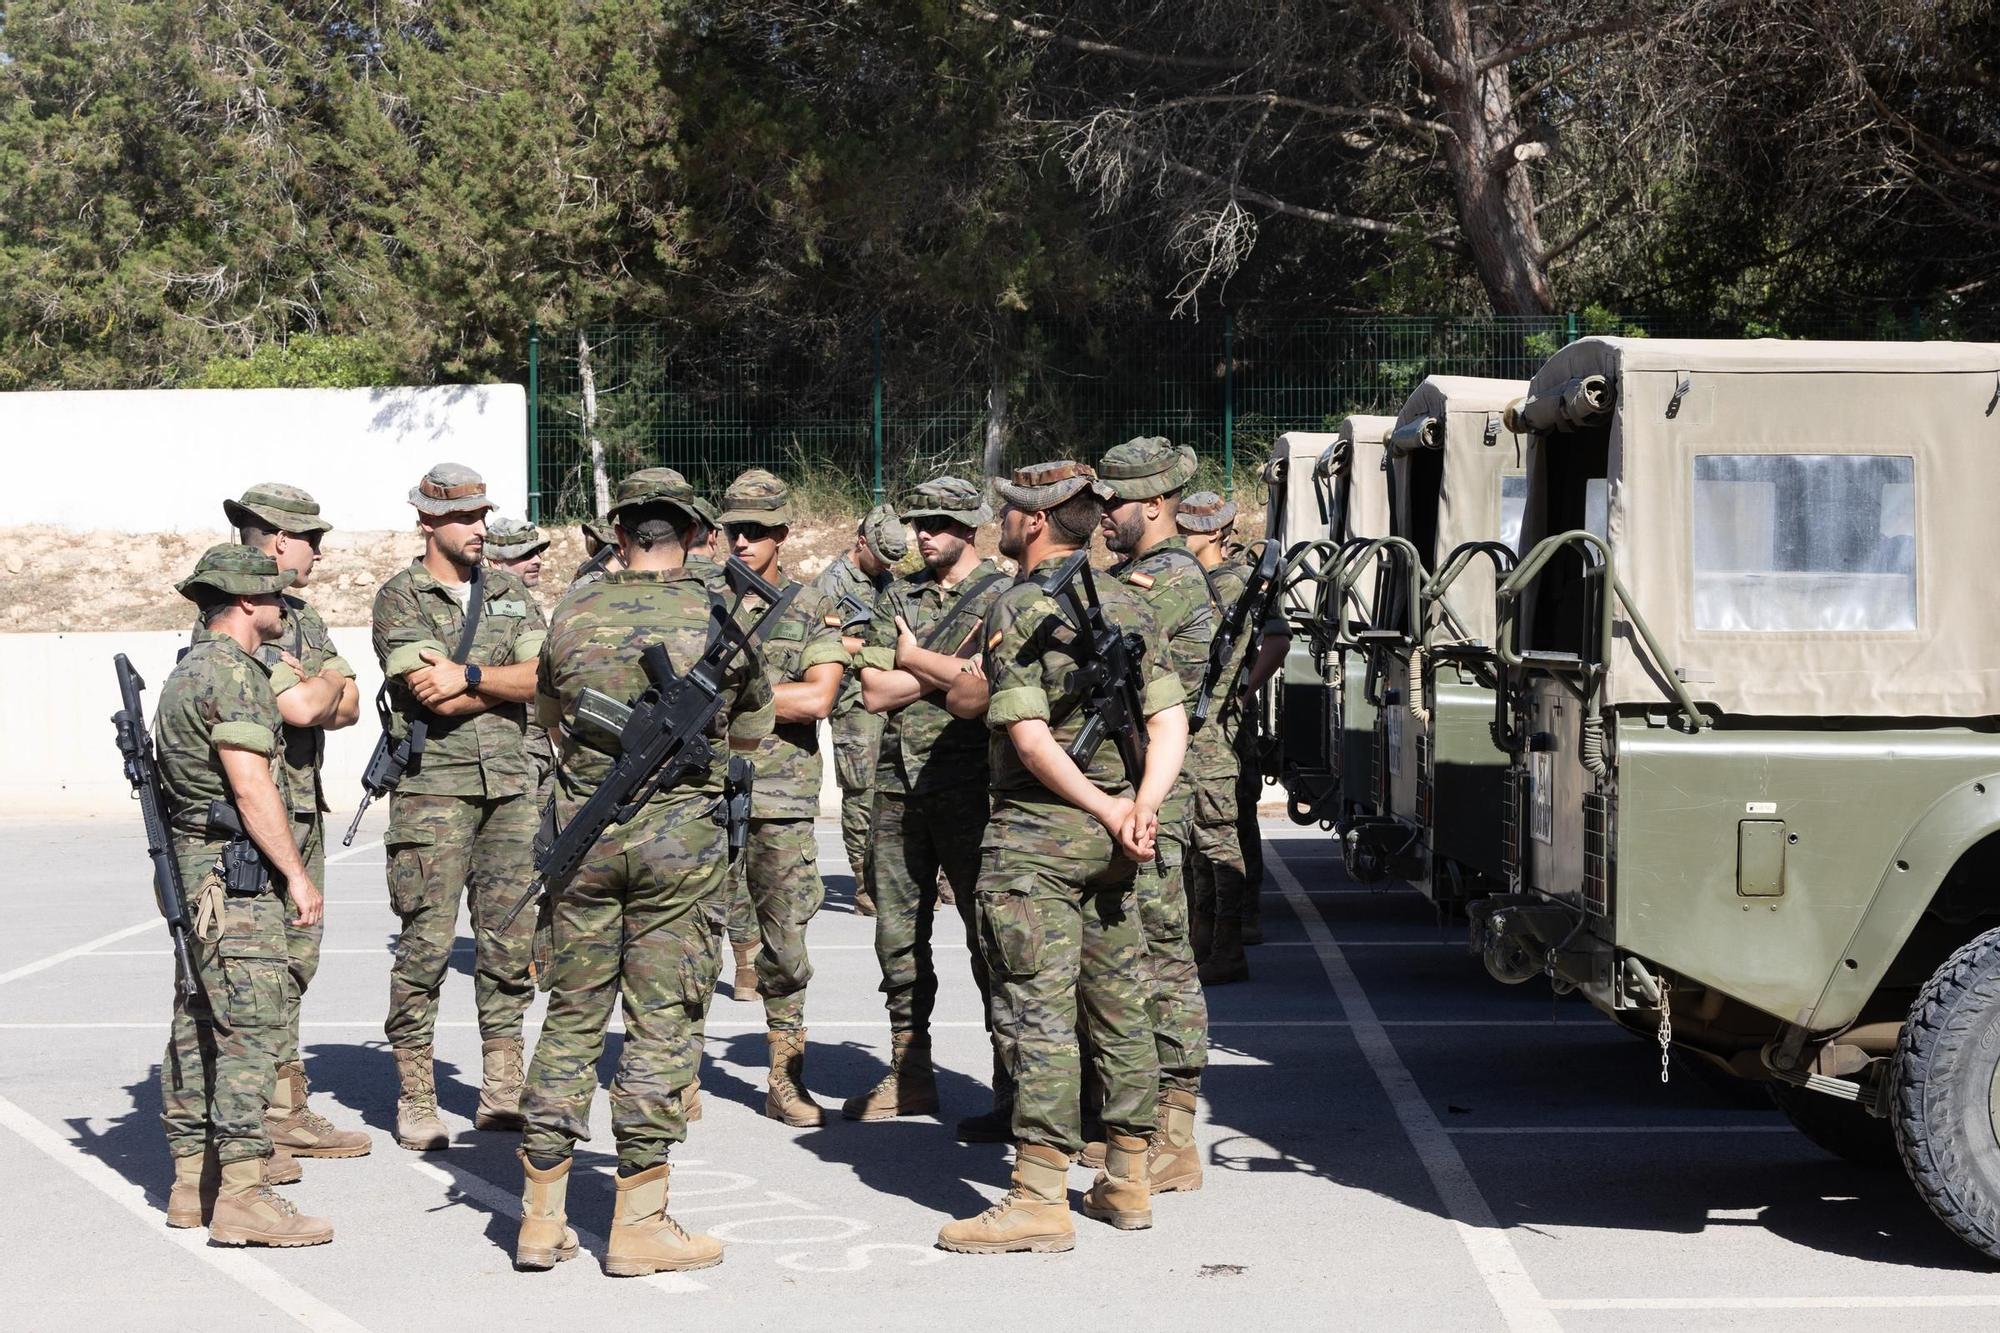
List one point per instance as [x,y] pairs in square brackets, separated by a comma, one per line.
[1217,880]
[1175,1001]
[915,836]
[782,869]
[857,818]
[741,913]
[302,942]
[1060,932]
[441,848]
[857,740]
[641,924]
[1249,787]
[222,1052]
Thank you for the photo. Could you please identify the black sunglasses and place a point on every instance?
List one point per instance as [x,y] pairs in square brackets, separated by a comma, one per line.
[749,532]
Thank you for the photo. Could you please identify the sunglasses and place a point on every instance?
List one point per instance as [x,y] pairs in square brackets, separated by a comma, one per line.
[749,532]
[309,538]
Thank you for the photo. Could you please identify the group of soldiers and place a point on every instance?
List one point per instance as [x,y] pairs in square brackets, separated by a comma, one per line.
[1096,900]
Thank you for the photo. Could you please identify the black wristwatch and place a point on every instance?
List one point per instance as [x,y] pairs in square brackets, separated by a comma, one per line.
[471,675]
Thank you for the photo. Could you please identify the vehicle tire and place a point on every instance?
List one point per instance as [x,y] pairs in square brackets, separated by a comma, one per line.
[1842,1128]
[1948,1093]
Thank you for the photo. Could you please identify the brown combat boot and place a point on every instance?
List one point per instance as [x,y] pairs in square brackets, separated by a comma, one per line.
[644,1239]
[545,1238]
[909,1088]
[417,1125]
[192,1199]
[499,1085]
[281,1168]
[743,986]
[788,1099]
[1033,1216]
[248,1212]
[296,1128]
[1225,962]
[1172,1160]
[1119,1194]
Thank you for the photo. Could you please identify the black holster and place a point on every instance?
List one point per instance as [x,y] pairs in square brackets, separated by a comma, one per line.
[244,874]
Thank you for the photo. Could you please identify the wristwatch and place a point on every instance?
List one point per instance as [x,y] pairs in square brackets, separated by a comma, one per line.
[471,675]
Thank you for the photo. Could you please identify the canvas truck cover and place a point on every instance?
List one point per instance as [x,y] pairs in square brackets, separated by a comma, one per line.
[1302,520]
[1358,447]
[1479,453]
[1804,525]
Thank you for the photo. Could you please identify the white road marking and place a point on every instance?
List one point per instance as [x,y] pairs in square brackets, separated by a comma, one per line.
[347,853]
[55,959]
[239,1266]
[1499,1265]
[1911,1302]
[1624,1129]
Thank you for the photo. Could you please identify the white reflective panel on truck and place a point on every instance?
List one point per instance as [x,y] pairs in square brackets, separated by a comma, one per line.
[1513,503]
[1804,542]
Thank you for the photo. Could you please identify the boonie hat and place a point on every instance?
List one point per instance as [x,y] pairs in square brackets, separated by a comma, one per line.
[273,504]
[947,497]
[450,488]
[512,539]
[1142,468]
[885,531]
[1040,486]
[757,497]
[656,485]
[1204,511]
[240,571]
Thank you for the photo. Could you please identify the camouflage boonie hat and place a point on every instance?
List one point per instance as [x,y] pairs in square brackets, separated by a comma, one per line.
[705,511]
[511,539]
[885,531]
[239,571]
[273,504]
[1204,511]
[757,497]
[1143,468]
[450,488]
[947,497]
[656,485]
[596,536]
[1040,486]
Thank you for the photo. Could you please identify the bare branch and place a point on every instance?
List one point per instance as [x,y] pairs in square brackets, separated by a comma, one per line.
[1327,216]
[1384,114]
[1405,30]
[1520,50]
[1089,47]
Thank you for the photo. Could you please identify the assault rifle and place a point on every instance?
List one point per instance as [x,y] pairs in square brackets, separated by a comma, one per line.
[855,613]
[1254,605]
[595,565]
[1107,660]
[142,770]
[663,739]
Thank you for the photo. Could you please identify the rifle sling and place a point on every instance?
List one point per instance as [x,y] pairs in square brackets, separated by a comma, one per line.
[968,598]
[420,726]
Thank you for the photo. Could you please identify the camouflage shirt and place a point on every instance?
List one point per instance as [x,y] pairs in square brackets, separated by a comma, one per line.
[218,695]
[484,754]
[1218,758]
[1175,589]
[594,643]
[924,748]
[788,760]
[1031,670]
[305,636]
[843,576]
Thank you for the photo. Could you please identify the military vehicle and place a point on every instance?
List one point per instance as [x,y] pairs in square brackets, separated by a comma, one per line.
[1752,700]
[1456,489]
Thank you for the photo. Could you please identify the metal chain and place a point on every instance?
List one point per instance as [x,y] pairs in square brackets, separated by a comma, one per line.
[1666,1028]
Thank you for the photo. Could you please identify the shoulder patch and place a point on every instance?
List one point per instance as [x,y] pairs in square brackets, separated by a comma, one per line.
[1143,582]
[993,640]
[830,621]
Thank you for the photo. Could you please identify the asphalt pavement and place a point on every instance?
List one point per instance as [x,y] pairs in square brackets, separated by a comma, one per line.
[1392,1139]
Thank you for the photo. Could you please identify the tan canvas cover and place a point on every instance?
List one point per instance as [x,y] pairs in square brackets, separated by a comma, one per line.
[1935,403]
[1301,521]
[1471,411]
[1361,438]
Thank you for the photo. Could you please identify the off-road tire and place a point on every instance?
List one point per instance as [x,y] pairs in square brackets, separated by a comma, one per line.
[1943,1115]
[1842,1128]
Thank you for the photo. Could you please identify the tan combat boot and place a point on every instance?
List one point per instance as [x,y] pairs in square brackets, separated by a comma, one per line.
[1033,1216]
[1225,962]
[788,1099]
[248,1212]
[545,1238]
[192,1199]
[743,986]
[1119,1194]
[417,1125]
[296,1128]
[281,1168]
[1172,1160]
[909,1088]
[644,1239]
[499,1085]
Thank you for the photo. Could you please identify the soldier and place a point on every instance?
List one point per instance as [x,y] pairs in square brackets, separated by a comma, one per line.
[930,790]
[517,548]
[804,665]
[462,822]
[861,573]
[601,555]
[217,734]
[1140,483]
[640,921]
[316,693]
[1058,909]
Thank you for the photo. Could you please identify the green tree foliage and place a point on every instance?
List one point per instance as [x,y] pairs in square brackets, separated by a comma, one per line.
[308,361]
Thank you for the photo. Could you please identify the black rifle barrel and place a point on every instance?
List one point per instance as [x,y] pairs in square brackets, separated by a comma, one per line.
[142,770]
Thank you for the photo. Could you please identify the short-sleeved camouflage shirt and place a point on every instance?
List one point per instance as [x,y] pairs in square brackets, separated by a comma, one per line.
[594,642]
[924,748]
[219,695]
[1031,673]
[486,754]
[843,576]
[1175,589]
[788,760]
[305,636]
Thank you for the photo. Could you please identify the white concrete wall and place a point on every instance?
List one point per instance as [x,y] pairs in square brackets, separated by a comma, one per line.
[160,460]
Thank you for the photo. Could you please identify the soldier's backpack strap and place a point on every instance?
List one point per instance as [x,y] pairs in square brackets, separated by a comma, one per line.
[1182,553]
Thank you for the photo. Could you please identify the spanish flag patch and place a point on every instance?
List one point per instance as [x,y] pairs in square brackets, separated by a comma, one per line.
[832,621]
[994,642]
[1143,582]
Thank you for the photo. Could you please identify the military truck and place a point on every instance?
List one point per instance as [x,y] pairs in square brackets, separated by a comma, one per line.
[1456,489]
[1752,704]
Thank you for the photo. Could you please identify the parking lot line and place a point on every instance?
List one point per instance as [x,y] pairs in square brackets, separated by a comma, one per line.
[76,951]
[1493,1254]
[238,1266]
[1912,1302]
[1622,1129]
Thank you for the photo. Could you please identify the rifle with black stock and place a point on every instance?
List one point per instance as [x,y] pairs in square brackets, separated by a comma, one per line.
[1107,660]
[142,770]
[855,613]
[663,735]
[1253,606]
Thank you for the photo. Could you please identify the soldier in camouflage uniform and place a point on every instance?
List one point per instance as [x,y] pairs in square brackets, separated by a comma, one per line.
[930,789]
[216,732]
[462,821]
[1058,906]
[804,664]
[1140,483]
[601,555]
[316,693]
[517,547]
[639,923]
[861,573]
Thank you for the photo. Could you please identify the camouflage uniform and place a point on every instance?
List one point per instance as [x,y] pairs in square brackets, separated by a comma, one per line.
[510,540]
[640,921]
[857,733]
